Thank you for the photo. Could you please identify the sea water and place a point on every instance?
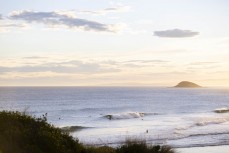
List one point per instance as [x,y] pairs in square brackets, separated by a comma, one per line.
[110,115]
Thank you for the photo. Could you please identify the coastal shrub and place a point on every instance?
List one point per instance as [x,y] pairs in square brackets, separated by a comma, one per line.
[103,149]
[130,147]
[141,147]
[20,133]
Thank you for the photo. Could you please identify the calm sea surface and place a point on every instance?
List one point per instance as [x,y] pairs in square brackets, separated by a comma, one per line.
[110,115]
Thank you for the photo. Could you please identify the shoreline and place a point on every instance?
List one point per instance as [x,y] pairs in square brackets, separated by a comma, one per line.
[177,147]
[204,149]
[220,148]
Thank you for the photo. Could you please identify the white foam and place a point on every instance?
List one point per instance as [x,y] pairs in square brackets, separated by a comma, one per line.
[127,115]
[221,110]
[206,122]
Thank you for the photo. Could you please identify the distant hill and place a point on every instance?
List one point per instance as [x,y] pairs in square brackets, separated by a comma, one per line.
[187,84]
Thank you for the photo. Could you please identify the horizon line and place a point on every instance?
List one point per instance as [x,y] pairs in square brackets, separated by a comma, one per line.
[162,86]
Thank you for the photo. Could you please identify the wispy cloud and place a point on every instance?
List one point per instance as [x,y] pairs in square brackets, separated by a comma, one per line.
[6,25]
[91,71]
[77,66]
[12,25]
[34,57]
[115,9]
[61,67]
[58,18]
[203,63]
[176,33]
[147,61]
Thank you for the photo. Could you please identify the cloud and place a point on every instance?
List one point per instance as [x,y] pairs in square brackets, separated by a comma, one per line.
[58,18]
[116,9]
[6,25]
[147,61]
[176,33]
[77,66]
[203,63]
[71,67]
[34,57]
[12,25]
[207,66]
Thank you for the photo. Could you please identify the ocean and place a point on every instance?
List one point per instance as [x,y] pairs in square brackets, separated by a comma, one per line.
[179,117]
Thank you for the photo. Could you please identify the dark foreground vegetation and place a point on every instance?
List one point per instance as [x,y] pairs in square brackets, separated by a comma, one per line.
[20,133]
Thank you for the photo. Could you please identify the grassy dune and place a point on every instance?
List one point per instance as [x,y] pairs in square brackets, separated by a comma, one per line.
[20,133]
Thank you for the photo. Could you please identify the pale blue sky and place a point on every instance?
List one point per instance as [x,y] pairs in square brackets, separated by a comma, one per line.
[123,40]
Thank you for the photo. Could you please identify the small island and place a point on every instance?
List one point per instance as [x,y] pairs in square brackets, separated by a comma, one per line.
[187,84]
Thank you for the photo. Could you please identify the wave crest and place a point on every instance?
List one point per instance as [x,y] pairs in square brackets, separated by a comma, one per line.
[212,121]
[127,115]
[221,110]
[71,129]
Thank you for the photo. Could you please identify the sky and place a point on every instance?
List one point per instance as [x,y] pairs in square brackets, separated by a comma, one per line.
[114,42]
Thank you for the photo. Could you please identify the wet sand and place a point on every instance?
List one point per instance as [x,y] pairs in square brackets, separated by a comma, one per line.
[209,149]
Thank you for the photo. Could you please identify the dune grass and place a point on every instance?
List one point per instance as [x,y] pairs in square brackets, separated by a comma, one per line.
[21,133]
[135,146]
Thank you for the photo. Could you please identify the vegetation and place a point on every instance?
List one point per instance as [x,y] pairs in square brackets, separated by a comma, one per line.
[142,147]
[20,133]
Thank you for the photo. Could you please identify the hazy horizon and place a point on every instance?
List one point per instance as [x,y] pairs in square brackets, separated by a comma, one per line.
[115,86]
[114,43]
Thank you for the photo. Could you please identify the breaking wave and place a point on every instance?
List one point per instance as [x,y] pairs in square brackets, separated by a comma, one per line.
[204,122]
[71,129]
[221,110]
[212,121]
[127,115]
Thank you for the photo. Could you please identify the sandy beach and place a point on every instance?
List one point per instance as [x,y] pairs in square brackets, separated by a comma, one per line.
[208,149]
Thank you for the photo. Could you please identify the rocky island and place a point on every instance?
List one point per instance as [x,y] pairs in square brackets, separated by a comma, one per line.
[187,84]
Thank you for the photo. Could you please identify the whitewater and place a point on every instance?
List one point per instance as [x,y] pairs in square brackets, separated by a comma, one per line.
[110,115]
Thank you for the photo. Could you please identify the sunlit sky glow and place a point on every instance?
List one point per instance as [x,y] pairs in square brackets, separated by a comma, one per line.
[114,42]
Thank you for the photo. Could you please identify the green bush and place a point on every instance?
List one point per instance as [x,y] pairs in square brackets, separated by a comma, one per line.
[141,147]
[103,149]
[20,133]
